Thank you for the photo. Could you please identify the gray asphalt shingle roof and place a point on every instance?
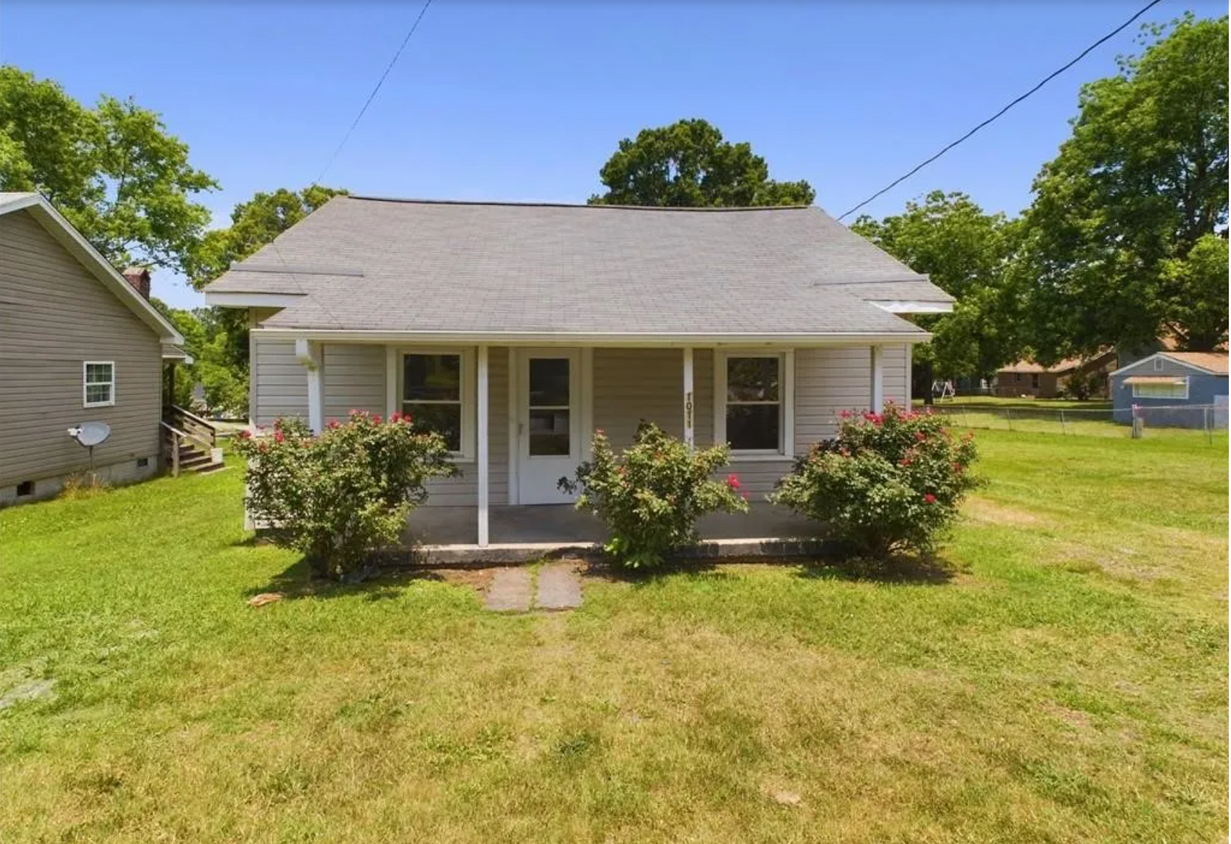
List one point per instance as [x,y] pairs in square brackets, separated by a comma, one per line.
[395,265]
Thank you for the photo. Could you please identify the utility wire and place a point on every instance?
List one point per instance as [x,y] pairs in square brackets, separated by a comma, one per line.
[375,90]
[995,116]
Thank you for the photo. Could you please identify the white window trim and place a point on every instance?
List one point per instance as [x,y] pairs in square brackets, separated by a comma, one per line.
[786,386]
[1158,364]
[1184,397]
[85,368]
[394,384]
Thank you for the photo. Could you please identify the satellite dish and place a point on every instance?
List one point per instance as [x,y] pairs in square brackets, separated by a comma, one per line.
[90,434]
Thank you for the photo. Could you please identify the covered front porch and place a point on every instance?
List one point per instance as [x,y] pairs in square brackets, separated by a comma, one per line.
[564,525]
[520,417]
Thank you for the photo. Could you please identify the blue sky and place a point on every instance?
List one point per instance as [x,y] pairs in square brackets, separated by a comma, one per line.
[525,101]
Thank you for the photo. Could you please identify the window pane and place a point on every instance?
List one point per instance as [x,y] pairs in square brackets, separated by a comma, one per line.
[444,419]
[97,393]
[549,432]
[752,379]
[753,426]
[97,373]
[432,377]
[549,382]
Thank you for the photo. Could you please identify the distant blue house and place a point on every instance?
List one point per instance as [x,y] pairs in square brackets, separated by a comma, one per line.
[1175,389]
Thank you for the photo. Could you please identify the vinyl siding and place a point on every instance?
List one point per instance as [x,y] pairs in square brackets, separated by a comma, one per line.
[635,384]
[629,385]
[54,315]
[281,383]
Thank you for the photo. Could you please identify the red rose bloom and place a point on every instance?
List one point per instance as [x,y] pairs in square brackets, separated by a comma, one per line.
[733,481]
[929,498]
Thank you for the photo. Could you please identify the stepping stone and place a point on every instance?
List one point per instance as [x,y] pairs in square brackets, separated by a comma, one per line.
[509,592]
[559,588]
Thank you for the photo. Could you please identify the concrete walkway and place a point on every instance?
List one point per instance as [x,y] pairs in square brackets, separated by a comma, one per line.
[510,591]
[559,588]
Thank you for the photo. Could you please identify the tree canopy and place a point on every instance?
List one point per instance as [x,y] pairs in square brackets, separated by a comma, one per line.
[967,253]
[688,164]
[113,170]
[1121,241]
[253,224]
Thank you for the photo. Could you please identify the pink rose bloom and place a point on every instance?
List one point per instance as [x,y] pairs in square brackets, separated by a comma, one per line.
[733,481]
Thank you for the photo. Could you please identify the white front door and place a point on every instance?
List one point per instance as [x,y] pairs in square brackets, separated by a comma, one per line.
[548,424]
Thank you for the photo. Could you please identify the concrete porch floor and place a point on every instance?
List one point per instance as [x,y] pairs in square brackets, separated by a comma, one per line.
[527,532]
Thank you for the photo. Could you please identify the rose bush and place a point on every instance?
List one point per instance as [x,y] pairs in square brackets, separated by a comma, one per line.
[650,495]
[341,495]
[890,482]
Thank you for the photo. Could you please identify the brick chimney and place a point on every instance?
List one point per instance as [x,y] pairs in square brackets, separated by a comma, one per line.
[139,278]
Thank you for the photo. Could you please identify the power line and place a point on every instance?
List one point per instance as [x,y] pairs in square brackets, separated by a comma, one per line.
[995,116]
[375,90]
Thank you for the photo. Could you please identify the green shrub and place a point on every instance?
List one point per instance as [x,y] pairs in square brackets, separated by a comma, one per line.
[651,495]
[890,482]
[344,494]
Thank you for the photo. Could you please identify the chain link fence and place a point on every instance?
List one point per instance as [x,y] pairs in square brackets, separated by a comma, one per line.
[1146,422]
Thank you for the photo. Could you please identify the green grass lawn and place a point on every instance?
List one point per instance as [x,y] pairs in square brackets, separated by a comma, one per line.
[1066,683]
[1019,401]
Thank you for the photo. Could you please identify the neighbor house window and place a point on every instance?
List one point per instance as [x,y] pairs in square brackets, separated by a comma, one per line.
[434,390]
[1177,389]
[1158,364]
[752,413]
[99,383]
[1034,381]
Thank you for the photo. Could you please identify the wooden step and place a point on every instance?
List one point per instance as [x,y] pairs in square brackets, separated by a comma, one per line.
[209,468]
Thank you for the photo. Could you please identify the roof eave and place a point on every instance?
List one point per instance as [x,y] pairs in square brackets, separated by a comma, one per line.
[590,338]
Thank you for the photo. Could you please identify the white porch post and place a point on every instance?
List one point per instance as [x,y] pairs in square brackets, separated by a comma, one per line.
[482,436]
[878,379]
[689,438]
[308,353]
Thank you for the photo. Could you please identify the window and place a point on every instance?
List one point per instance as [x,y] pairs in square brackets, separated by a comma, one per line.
[1158,364]
[752,410]
[549,411]
[432,394]
[1177,389]
[25,488]
[99,383]
[1034,381]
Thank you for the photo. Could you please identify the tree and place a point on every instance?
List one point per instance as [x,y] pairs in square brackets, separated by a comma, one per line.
[254,224]
[208,341]
[113,171]
[688,164]
[967,253]
[223,365]
[1137,190]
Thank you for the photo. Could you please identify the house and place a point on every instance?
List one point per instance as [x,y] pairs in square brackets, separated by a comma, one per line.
[516,330]
[1175,389]
[78,343]
[1027,378]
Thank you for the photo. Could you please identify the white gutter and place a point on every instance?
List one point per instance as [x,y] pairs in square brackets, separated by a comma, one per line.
[538,338]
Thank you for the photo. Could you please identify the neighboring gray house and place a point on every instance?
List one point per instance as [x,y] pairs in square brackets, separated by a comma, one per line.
[516,330]
[1173,389]
[77,344]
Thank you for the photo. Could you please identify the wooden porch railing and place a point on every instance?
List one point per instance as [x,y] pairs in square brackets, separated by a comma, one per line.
[190,423]
[185,431]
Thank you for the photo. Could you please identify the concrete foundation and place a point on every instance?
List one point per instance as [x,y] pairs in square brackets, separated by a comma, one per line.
[114,474]
[448,535]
